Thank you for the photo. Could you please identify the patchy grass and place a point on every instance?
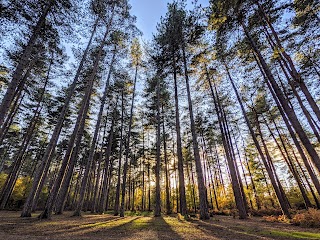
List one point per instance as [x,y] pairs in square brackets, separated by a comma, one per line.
[140,227]
[301,235]
[139,213]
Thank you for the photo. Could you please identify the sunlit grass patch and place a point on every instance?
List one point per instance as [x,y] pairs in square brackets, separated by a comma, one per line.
[138,213]
[305,235]
[247,229]
[182,227]
[139,223]
[117,223]
[107,224]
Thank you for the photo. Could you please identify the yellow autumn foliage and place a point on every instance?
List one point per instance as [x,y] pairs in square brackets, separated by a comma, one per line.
[277,52]
[20,189]
[216,21]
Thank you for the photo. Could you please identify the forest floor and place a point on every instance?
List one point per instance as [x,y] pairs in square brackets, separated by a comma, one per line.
[107,226]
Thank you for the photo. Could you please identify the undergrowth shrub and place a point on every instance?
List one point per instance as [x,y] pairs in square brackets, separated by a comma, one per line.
[266,212]
[308,218]
[280,218]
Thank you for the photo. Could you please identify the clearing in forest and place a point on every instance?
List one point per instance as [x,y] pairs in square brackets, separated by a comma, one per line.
[107,226]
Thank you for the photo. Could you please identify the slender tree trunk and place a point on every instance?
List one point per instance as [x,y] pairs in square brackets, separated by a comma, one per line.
[15,106]
[13,176]
[251,178]
[23,62]
[289,162]
[231,148]
[81,117]
[315,180]
[291,67]
[242,168]
[117,200]
[213,185]
[149,188]
[157,210]
[143,171]
[104,194]
[40,175]
[77,211]
[283,205]
[193,189]
[98,177]
[168,203]
[207,171]
[176,181]
[133,189]
[235,181]
[97,184]
[201,187]
[284,103]
[221,181]
[125,167]
[182,191]
[62,193]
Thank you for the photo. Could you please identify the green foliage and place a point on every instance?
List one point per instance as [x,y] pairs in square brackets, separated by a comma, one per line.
[3,178]
[300,235]
[20,191]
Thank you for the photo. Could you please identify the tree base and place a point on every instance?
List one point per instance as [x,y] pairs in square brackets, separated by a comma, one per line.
[77,214]
[44,215]
[25,215]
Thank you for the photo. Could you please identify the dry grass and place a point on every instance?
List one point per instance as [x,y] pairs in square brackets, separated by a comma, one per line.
[309,218]
[280,219]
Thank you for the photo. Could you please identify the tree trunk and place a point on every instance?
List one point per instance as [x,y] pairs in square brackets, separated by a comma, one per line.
[104,194]
[15,106]
[13,176]
[290,65]
[168,203]
[231,149]
[125,167]
[143,171]
[77,211]
[242,168]
[314,178]
[235,181]
[23,63]
[62,193]
[251,177]
[157,210]
[117,200]
[289,162]
[201,187]
[283,205]
[149,188]
[40,175]
[182,190]
[81,117]
[284,102]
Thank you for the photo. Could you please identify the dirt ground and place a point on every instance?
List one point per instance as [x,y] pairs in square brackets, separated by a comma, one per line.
[95,227]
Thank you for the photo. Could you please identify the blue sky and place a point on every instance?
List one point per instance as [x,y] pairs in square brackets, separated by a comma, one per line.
[148,13]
